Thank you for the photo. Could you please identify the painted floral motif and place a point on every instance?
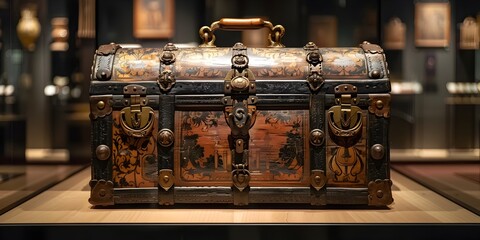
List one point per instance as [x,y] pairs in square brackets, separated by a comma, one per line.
[198,63]
[343,61]
[214,63]
[278,63]
[134,159]
[136,64]
[276,148]
[346,166]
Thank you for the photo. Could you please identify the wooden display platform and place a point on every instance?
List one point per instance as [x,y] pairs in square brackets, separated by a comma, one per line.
[66,203]
[26,181]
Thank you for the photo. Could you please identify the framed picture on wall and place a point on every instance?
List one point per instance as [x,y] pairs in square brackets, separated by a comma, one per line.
[322,30]
[469,38]
[394,34]
[153,18]
[432,24]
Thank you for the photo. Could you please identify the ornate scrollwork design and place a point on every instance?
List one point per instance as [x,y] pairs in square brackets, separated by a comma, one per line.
[166,80]
[315,74]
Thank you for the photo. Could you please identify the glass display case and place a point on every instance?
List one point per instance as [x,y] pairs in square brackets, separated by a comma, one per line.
[47,48]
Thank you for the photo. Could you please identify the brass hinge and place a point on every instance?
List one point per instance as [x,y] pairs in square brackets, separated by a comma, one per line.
[315,73]
[166,77]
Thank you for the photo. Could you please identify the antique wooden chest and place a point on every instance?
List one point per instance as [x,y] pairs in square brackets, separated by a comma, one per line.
[240,125]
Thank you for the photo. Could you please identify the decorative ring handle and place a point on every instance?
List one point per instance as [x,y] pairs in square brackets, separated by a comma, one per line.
[345,137]
[144,131]
[238,24]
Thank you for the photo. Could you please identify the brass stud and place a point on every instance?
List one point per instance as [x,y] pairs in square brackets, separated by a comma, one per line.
[377,151]
[165,137]
[101,105]
[166,178]
[102,193]
[375,74]
[102,152]
[379,104]
[317,137]
[379,194]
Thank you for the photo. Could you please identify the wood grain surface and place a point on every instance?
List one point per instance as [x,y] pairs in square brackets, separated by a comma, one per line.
[67,203]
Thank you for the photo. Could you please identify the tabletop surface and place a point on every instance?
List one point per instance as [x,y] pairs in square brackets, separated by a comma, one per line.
[67,203]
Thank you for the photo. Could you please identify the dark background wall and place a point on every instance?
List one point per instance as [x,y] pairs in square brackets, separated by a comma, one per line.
[430,123]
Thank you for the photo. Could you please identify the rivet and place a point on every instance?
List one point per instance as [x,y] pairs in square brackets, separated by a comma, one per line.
[375,74]
[377,151]
[102,193]
[227,86]
[346,88]
[317,179]
[317,137]
[166,178]
[165,137]
[379,104]
[379,193]
[101,105]
[102,152]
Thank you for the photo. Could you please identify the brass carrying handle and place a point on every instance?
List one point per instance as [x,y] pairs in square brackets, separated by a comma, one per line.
[238,24]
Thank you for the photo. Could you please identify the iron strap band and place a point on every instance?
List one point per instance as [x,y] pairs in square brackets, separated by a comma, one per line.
[104,59]
[375,58]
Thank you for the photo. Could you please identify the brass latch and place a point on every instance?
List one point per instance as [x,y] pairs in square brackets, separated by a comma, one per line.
[137,118]
[240,113]
[345,119]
